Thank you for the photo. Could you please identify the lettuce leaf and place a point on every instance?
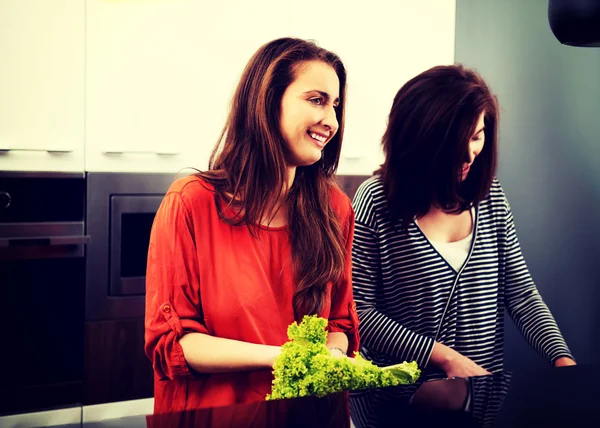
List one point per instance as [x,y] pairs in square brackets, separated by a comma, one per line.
[305,367]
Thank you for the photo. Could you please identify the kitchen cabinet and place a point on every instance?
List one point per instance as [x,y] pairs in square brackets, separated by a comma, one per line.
[42,89]
[383,45]
[116,368]
[147,85]
[160,76]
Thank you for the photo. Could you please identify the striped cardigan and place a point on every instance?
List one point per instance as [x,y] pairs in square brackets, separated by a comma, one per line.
[408,296]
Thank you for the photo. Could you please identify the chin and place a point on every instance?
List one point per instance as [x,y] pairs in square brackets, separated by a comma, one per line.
[309,160]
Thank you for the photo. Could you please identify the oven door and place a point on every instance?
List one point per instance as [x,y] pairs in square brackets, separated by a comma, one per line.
[42,294]
[130,226]
[42,286]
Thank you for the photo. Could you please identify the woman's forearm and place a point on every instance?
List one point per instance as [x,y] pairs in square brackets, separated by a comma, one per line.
[209,354]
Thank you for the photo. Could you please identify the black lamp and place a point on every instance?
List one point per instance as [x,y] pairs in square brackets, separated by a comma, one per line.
[575,22]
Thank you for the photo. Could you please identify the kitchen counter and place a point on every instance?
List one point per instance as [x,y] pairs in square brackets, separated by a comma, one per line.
[547,397]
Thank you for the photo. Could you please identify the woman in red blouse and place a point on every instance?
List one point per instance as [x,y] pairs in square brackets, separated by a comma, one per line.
[237,253]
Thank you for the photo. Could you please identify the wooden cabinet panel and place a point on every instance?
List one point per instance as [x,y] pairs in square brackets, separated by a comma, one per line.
[116,367]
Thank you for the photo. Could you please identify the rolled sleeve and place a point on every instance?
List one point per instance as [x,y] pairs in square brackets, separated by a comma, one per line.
[173,305]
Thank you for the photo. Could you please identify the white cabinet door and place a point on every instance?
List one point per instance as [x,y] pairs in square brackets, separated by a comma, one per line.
[382,44]
[160,76]
[42,90]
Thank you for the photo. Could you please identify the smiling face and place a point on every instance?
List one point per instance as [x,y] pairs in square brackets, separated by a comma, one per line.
[475,146]
[308,118]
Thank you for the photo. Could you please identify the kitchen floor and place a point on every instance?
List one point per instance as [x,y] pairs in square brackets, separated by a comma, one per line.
[127,414]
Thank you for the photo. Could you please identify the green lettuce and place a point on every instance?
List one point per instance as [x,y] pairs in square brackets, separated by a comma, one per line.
[305,367]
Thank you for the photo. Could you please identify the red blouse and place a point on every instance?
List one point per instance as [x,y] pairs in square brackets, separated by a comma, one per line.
[209,277]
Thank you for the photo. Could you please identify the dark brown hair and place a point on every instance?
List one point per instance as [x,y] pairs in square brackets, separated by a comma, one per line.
[248,165]
[426,143]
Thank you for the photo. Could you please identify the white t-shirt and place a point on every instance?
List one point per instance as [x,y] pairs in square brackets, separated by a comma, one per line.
[455,253]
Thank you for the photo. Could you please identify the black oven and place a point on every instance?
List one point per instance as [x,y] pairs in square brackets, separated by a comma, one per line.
[42,285]
[120,211]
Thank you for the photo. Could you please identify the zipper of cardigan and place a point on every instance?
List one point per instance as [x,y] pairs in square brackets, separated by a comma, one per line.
[437,333]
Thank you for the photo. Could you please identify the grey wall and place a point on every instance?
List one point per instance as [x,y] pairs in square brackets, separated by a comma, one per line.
[549,158]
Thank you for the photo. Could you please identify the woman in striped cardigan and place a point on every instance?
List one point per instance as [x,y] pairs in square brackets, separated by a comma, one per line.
[436,260]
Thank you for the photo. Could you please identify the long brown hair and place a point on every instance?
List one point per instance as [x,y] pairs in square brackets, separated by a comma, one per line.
[432,120]
[248,165]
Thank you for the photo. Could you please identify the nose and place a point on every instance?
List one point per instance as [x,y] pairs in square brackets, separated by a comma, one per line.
[330,120]
[472,156]
[473,153]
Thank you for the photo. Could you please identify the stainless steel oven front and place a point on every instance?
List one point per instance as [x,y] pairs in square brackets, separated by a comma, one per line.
[120,211]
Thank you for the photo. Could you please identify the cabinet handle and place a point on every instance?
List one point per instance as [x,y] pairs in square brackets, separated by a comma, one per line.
[44,241]
[4,150]
[139,152]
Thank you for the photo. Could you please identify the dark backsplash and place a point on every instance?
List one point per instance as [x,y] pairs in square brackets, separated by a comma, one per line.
[350,183]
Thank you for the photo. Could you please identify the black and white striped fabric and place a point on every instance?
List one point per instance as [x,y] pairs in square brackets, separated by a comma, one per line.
[408,296]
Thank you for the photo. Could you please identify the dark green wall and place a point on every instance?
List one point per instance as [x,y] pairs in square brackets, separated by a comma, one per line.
[549,158]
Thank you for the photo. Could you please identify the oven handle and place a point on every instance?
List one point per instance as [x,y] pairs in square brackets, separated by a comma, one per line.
[44,241]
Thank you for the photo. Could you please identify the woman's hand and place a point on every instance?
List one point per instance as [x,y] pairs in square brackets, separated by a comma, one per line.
[454,364]
[337,343]
[461,366]
[337,352]
[564,361]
